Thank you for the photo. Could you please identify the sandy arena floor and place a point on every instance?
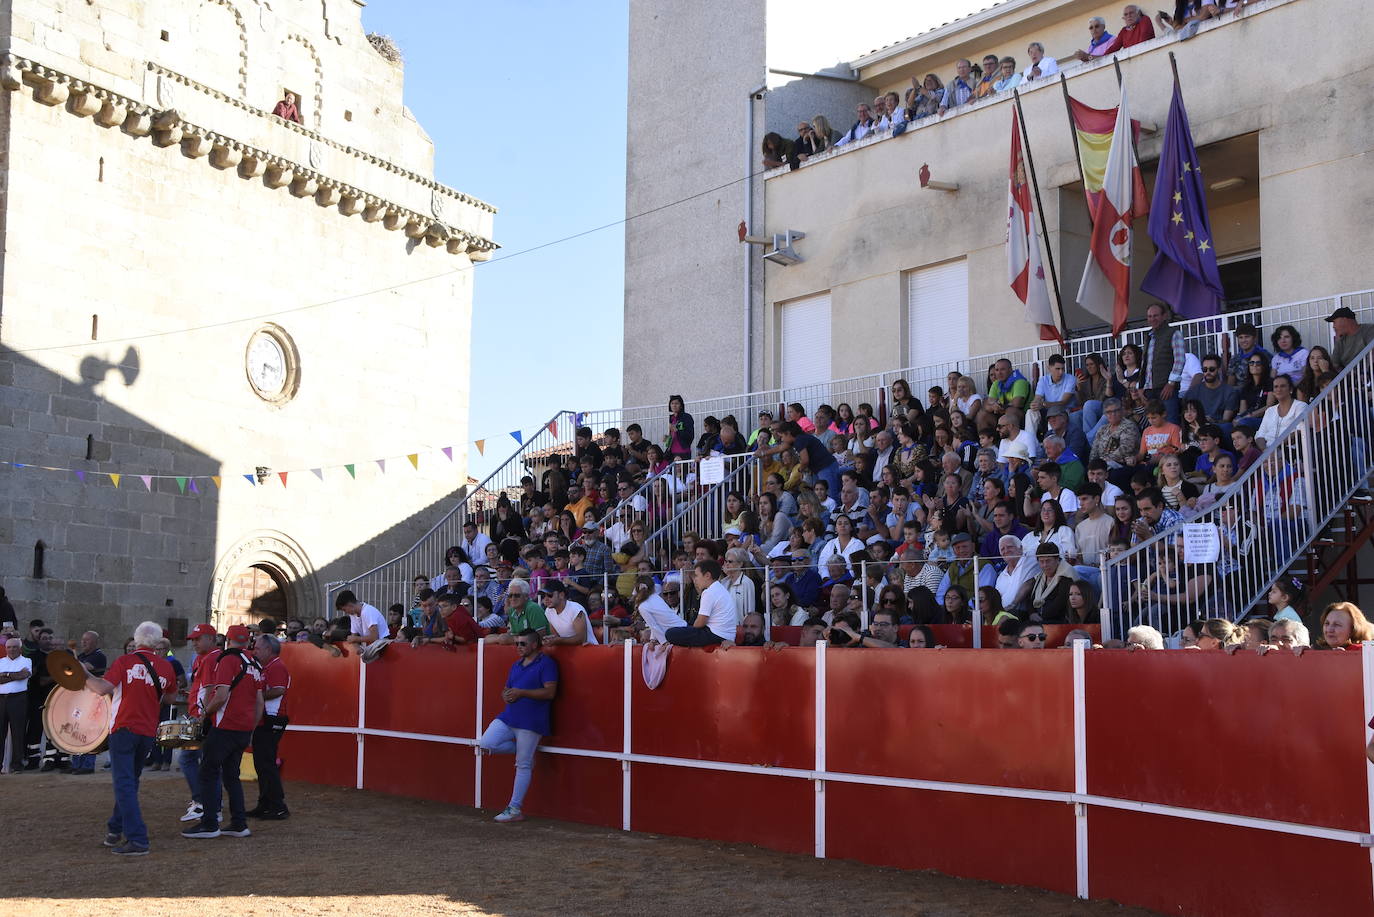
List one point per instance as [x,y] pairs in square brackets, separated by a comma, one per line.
[380,856]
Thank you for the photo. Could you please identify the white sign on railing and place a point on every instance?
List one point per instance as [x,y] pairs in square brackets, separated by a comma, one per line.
[1201,543]
[711,470]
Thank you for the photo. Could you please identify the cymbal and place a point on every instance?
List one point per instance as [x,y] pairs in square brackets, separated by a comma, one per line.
[66,671]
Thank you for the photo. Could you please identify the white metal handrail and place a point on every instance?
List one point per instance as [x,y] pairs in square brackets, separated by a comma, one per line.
[1262,523]
[391,581]
[705,512]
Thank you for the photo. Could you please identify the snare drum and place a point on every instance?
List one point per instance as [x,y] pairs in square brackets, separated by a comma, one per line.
[78,722]
[182,732]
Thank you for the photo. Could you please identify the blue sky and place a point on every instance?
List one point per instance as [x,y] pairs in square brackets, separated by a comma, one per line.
[525,102]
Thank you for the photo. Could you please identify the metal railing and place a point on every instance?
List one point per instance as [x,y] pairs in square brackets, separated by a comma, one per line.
[1260,525]
[392,581]
[705,512]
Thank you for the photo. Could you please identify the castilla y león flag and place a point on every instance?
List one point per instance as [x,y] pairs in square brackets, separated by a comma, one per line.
[1106,287]
[1025,271]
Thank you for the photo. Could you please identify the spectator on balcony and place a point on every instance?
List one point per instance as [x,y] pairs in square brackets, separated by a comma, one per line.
[805,145]
[889,111]
[1137,28]
[1056,387]
[778,152]
[1098,38]
[1290,357]
[1351,337]
[904,402]
[1008,77]
[1343,627]
[1256,392]
[1189,13]
[987,84]
[924,97]
[1040,66]
[1164,360]
[681,430]
[862,127]
[1031,636]
[1285,412]
[287,108]
[960,88]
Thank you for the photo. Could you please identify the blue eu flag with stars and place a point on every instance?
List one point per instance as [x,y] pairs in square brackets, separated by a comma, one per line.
[1184,273]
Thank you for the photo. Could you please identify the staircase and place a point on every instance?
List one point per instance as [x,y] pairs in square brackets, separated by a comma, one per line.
[1275,520]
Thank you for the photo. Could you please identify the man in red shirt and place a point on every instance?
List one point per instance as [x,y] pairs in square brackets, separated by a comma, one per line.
[462,628]
[1137,28]
[232,706]
[267,735]
[141,682]
[207,654]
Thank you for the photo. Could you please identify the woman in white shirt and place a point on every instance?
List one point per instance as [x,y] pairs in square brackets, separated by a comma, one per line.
[1290,357]
[1054,529]
[844,544]
[1279,417]
[966,397]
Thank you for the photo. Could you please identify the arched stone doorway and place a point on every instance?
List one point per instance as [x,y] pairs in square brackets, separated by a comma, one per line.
[256,593]
[266,574]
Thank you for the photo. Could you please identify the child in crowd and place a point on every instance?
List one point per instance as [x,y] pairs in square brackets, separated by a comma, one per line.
[1209,442]
[1243,439]
[533,556]
[940,548]
[1178,493]
[1159,436]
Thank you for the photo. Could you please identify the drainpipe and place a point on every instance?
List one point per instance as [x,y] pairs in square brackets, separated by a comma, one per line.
[754,95]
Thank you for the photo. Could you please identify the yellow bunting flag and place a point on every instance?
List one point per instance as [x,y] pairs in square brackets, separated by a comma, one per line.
[114,479]
[414,460]
[216,478]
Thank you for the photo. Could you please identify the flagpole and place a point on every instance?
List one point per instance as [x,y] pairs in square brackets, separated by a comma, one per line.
[1077,153]
[1040,210]
[1173,65]
[1135,147]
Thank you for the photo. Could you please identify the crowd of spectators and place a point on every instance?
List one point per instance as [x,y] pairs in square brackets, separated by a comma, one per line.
[975,80]
[955,508]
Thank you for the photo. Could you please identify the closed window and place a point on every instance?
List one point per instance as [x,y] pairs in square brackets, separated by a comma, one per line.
[937,314]
[805,333]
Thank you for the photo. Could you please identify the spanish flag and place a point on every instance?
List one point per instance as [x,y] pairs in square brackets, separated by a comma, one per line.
[1094,128]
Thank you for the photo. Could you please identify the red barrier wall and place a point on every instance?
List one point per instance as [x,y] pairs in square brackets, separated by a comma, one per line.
[1275,737]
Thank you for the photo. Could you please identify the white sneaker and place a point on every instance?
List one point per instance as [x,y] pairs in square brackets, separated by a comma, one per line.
[193,812]
[509,814]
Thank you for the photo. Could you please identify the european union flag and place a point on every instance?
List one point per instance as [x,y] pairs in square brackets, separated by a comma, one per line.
[1184,273]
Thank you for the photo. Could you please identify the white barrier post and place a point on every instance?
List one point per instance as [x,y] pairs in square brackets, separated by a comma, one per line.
[605,608]
[1080,765]
[863,586]
[976,618]
[477,726]
[628,675]
[362,714]
[820,749]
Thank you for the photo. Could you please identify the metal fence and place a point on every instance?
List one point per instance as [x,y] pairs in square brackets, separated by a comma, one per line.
[705,512]
[1260,526]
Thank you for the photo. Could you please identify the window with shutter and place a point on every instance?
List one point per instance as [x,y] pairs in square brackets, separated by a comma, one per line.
[805,332]
[937,314]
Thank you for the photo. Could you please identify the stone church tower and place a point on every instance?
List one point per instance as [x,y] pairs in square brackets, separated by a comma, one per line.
[198,295]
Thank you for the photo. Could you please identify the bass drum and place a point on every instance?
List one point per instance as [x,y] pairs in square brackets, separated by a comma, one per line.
[78,722]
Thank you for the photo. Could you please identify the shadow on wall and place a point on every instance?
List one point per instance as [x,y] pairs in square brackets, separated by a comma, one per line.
[75,549]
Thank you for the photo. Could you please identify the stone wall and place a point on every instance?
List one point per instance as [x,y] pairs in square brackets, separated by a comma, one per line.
[146,187]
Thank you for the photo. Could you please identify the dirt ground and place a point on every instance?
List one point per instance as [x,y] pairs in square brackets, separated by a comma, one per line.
[371,855]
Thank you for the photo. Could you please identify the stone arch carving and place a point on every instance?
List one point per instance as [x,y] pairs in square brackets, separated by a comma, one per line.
[318,109]
[243,44]
[273,549]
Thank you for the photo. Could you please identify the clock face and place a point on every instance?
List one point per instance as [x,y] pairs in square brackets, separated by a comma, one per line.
[271,365]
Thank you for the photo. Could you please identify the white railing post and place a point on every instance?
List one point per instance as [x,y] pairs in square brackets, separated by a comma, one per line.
[820,750]
[626,745]
[1104,616]
[1080,765]
[863,585]
[362,715]
[477,725]
[605,608]
[977,618]
[1309,472]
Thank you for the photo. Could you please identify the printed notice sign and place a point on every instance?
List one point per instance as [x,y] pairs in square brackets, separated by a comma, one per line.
[1201,543]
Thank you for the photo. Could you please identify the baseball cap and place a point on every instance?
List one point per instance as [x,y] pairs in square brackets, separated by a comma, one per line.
[550,586]
[733,530]
[961,538]
[591,526]
[1342,312]
[203,630]
[1247,328]
[1057,410]
[236,632]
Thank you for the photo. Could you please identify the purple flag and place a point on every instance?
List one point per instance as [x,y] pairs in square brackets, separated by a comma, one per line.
[1184,273]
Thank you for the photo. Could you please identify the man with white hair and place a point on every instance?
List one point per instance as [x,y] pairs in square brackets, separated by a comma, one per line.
[1288,635]
[233,707]
[15,669]
[141,682]
[1144,637]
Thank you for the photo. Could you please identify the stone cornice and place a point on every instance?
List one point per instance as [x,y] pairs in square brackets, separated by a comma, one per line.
[168,128]
[321,138]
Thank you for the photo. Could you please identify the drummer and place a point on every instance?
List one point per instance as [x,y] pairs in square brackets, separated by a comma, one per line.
[141,682]
[233,702]
[207,655]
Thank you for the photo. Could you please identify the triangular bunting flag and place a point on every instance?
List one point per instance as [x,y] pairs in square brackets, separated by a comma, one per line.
[81,476]
[577,418]
[192,484]
[553,427]
[481,445]
[318,472]
[20,465]
[519,438]
[216,478]
[448,452]
[352,471]
[282,475]
[251,482]
[114,479]
[181,484]
[381,463]
[147,480]
[414,460]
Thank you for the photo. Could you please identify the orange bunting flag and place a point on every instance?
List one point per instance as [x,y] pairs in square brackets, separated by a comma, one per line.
[553,428]
[481,445]
[114,479]
[414,460]
[216,478]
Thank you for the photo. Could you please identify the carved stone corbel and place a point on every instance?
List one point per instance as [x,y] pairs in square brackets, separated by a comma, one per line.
[278,176]
[479,254]
[170,137]
[350,204]
[374,211]
[415,229]
[225,156]
[111,113]
[11,77]
[327,196]
[138,124]
[84,103]
[195,146]
[304,186]
[456,246]
[51,92]
[393,220]
[437,234]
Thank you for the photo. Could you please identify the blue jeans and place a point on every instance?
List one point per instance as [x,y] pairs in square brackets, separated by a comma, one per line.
[127,754]
[500,739]
[189,759]
[1092,413]
[83,762]
[219,763]
[830,474]
[691,636]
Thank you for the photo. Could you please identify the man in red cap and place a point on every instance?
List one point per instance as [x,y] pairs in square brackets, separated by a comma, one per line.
[232,706]
[207,654]
[141,682]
